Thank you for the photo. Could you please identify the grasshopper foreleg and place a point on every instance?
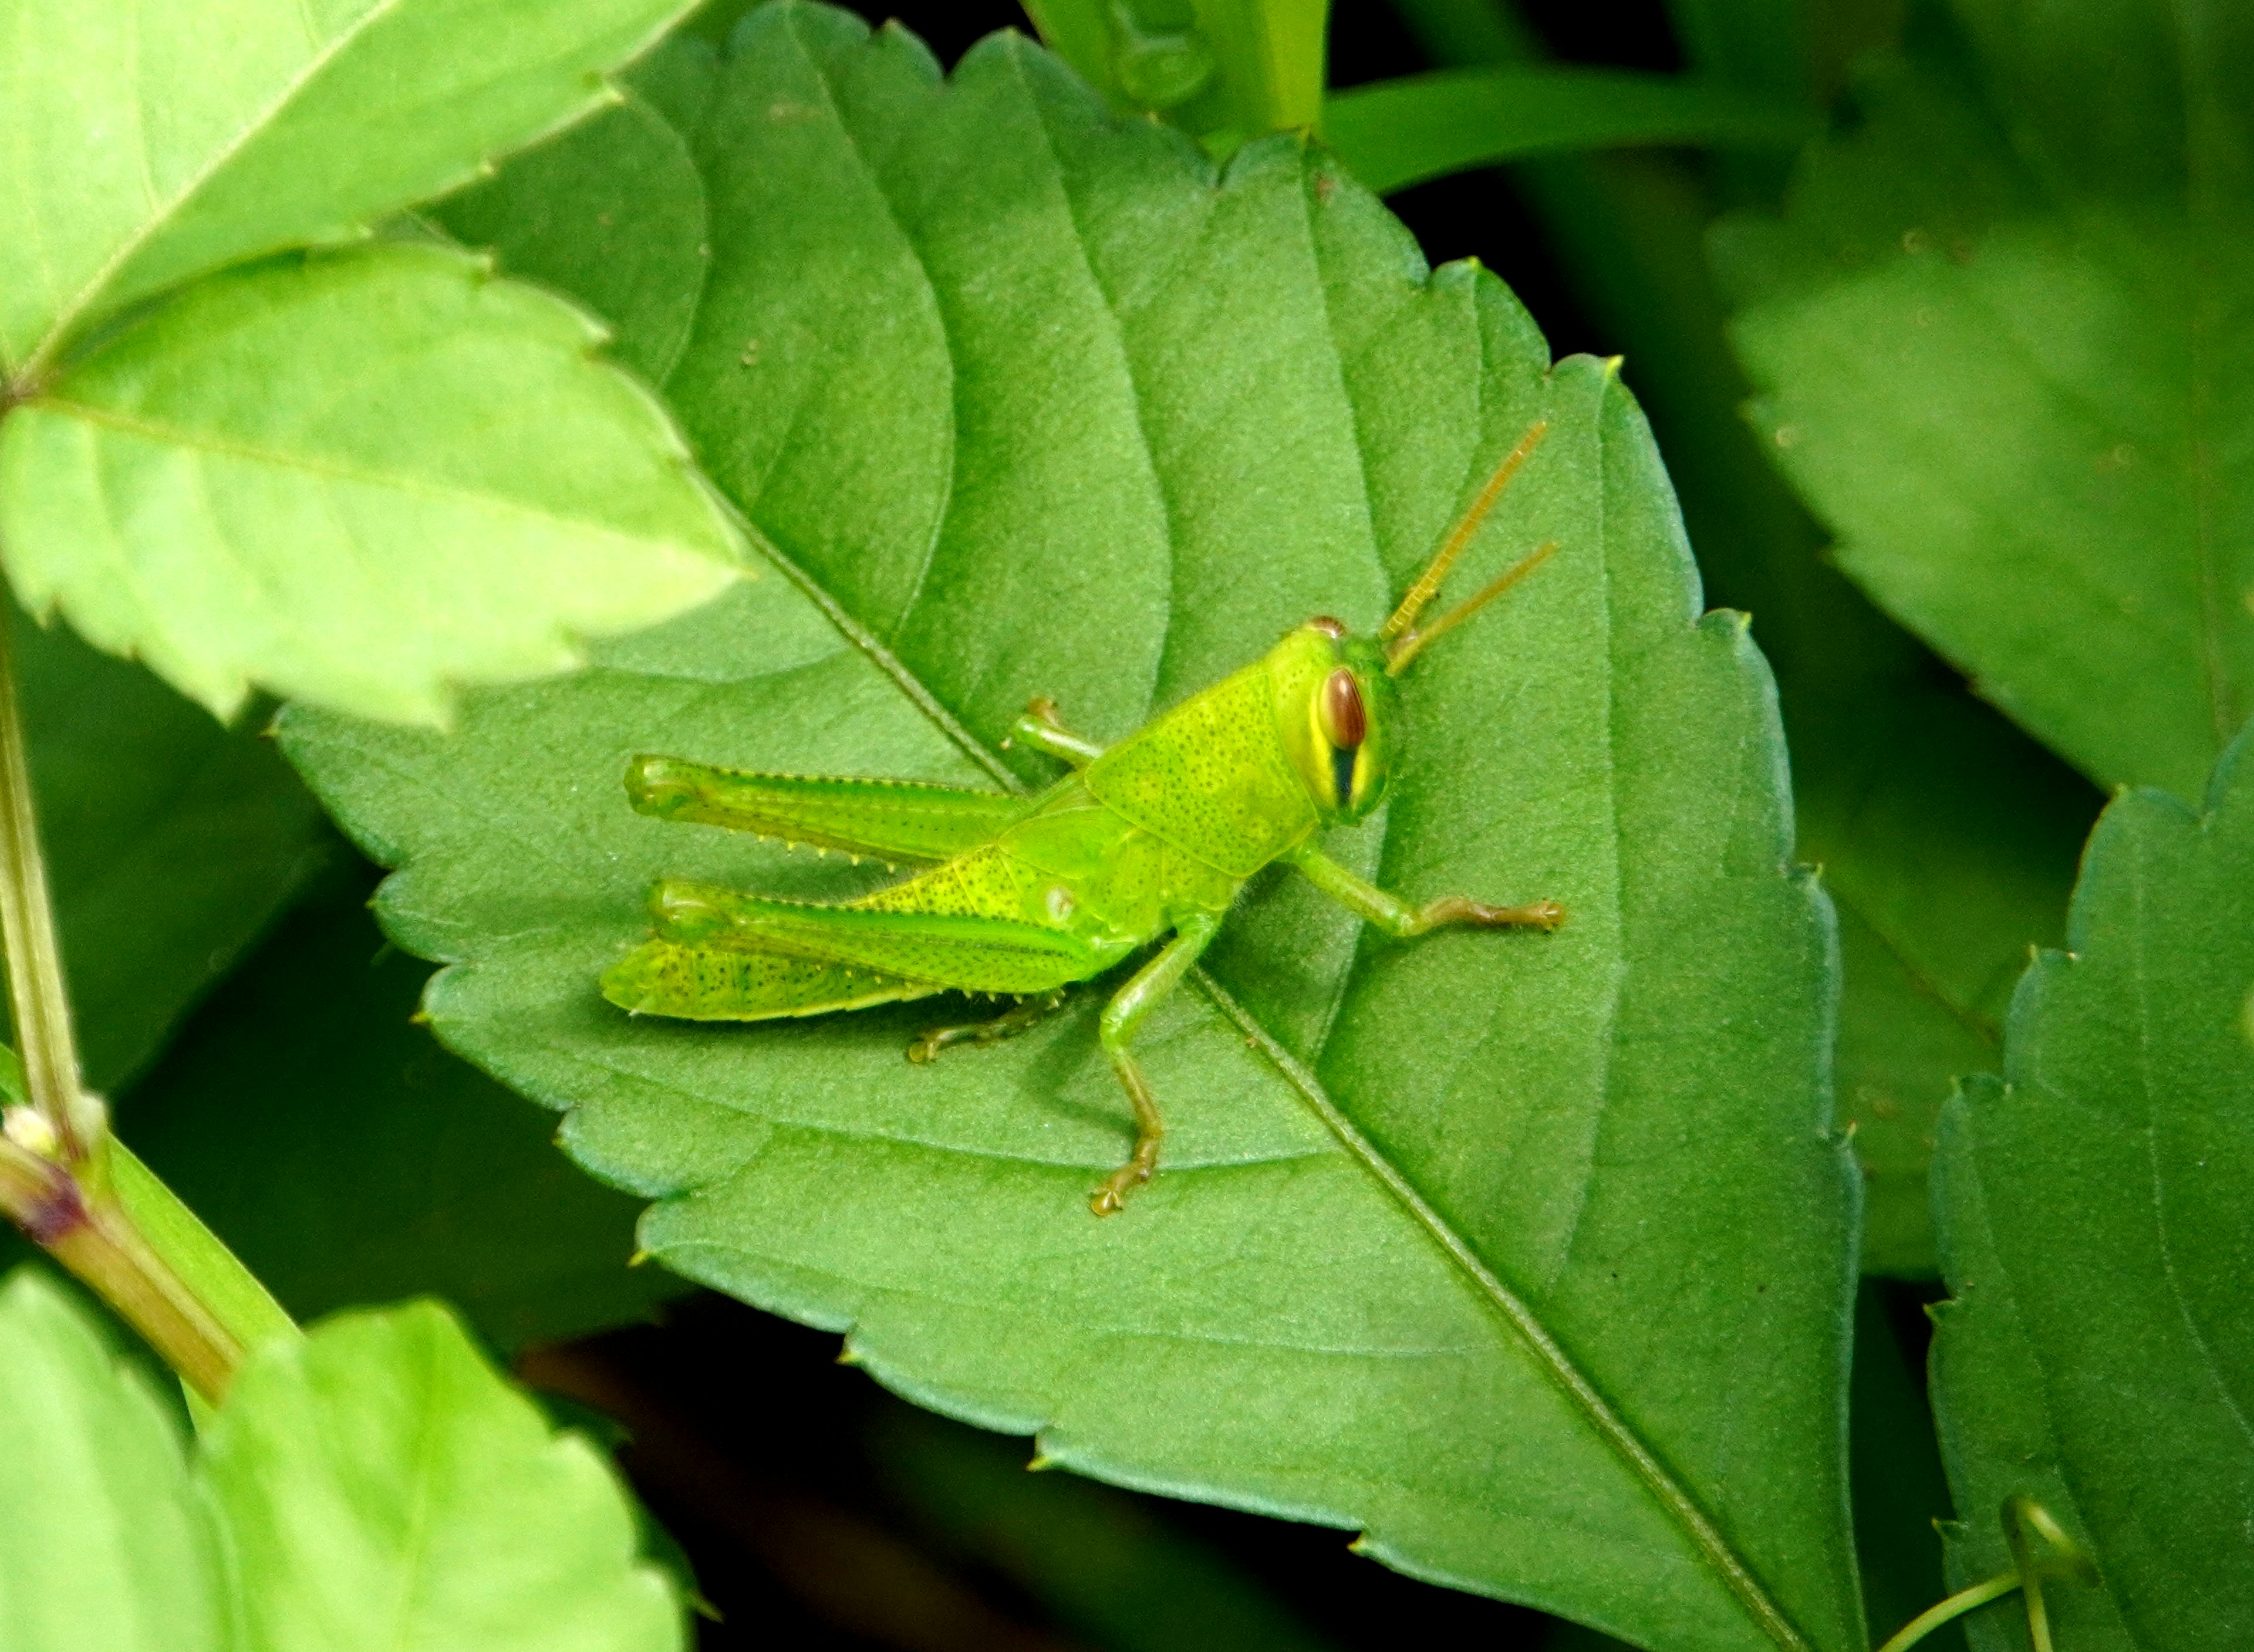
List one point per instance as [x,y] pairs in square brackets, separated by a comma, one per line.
[1121,1017]
[1027,1012]
[1041,729]
[1396,917]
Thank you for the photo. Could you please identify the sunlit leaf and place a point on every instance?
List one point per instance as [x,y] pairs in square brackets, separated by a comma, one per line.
[1033,402]
[366,478]
[373,1485]
[150,141]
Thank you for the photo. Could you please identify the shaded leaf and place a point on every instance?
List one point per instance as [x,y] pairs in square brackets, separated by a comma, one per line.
[2002,348]
[1905,788]
[611,213]
[364,478]
[1901,1492]
[1100,1560]
[2096,1237]
[1395,133]
[1948,840]
[372,1485]
[172,844]
[1037,404]
[347,1159]
[151,143]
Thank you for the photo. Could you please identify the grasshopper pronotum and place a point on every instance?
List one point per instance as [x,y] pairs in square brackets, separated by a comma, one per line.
[1154,835]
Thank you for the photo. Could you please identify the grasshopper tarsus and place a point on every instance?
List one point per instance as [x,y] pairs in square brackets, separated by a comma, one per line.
[1544,915]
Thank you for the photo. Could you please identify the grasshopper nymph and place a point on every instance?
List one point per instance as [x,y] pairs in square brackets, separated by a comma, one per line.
[1025,895]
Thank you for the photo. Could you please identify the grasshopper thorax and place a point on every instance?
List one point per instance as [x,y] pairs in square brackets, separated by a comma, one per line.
[1335,710]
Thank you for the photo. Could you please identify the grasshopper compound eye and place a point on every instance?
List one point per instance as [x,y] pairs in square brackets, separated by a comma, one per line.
[1340,713]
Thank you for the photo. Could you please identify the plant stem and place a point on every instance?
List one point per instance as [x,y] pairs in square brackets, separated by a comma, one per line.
[1955,1607]
[92,1236]
[78,1195]
[27,930]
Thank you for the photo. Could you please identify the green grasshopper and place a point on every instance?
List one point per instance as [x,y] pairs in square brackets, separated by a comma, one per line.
[1025,895]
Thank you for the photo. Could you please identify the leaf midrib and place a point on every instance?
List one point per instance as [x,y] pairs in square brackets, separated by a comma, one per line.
[67,314]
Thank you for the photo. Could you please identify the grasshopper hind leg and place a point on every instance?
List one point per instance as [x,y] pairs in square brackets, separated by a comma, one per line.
[1027,1012]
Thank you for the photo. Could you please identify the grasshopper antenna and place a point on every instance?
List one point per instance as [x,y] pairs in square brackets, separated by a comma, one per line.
[1411,644]
[1399,634]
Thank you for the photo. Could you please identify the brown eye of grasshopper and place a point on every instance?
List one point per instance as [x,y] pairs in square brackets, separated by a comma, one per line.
[1344,722]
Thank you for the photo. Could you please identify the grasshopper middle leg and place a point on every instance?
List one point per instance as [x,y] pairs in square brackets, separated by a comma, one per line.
[1396,917]
[1122,1016]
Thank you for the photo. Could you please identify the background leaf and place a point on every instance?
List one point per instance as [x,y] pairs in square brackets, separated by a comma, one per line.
[173,843]
[1398,132]
[371,1485]
[148,143]
[1225,70]
[2096,1233]
[364,478]
[952,339]
[347,1159]
[2070,286]
[1947,838]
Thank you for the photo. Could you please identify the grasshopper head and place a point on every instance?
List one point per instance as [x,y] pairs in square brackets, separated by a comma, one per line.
[1335,709]
[1334,692]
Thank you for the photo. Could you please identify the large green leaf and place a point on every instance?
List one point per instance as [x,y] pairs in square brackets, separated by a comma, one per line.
[366,478]
[2004,345]
[346,1158]
[373,1485]
[151,141]
[172,842]
[1496,1247]
[2097,1236]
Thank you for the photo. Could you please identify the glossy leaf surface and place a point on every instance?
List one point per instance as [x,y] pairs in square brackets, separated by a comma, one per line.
[2005,356]
[1037,404]
[365,479]
[373,1485]
[2097,1236]
[152,141]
